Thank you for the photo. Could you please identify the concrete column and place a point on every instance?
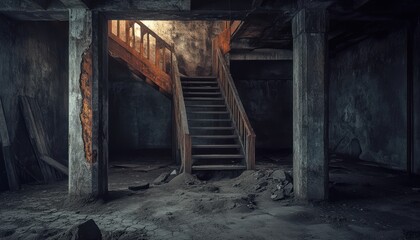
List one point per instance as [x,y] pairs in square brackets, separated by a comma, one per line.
[310,142]
[416,97]
[88,104]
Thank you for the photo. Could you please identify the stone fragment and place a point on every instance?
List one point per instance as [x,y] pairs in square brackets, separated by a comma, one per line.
[277,195]
[288,189]
[279,175]
[84,231]
[261,186]
[161,179]
[141,186]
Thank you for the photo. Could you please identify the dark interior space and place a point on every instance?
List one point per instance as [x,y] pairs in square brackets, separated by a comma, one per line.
[185,119]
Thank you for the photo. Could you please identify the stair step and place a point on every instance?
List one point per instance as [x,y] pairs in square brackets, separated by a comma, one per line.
[217,156]
[215,146]
[198,77]
[203,98]
[209,120]
[209,112]
[218,167]
[199,82]
[204,105]
[214,136]
[201,88]
[212,128]
[202,93]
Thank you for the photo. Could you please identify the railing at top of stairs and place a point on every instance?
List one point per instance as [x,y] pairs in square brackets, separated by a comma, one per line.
[143,50]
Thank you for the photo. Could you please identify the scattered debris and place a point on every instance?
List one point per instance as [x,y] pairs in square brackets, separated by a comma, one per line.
[161,179]
[277,183]
[171,176]
[84,231]
[141,186]
[139,167]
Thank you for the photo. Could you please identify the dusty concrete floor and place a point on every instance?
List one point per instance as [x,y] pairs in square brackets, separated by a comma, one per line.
[366,203]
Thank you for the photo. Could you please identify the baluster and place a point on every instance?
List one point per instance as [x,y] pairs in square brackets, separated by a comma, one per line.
[157,53]
[134,35]
[127,32]
[148,46]
[163,59]
[141,42]
[118,28]
[110,27]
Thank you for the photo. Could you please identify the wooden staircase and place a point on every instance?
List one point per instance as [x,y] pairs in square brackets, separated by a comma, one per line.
[210,126]
[215,144]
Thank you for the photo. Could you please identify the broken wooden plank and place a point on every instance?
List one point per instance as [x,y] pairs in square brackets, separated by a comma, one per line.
[53,163]
[34,138]
[12,177]
[42,135]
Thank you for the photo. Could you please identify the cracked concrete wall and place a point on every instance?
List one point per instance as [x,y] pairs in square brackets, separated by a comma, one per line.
[367,104]
[265,89]
[192,41]
[140,116]
[33,62]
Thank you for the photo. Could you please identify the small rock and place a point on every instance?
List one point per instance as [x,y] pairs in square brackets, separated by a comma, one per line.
[251,206]
[288,189]
[259,175]
[212,188]
[161,179]
[277,195]
[141,186]
[84,231]
[261,186]
[173,172]
[279,175]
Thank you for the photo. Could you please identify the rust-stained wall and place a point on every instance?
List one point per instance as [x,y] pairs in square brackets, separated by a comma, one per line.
[192,41]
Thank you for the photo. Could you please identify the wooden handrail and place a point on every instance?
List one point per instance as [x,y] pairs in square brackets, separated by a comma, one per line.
[237,111]
[136,39]
[181,121]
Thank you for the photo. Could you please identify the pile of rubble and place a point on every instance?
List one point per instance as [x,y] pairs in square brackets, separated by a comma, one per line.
[278,183]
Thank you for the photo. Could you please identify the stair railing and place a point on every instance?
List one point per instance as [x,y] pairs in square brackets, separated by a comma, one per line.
[237,111]
[181,122]
[136,38]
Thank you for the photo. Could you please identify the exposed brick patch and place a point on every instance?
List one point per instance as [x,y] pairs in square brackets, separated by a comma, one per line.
[86,115]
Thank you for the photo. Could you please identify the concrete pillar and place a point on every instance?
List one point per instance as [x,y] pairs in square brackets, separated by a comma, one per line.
[88,104]
[310,142]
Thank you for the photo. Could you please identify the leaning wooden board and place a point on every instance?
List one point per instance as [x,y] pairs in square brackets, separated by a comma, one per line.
[37,137]
[12,177]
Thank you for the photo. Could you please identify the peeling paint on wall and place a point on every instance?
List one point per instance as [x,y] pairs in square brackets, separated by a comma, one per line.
[86,115]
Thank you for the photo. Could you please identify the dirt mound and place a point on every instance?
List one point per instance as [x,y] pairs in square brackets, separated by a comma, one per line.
[183,180]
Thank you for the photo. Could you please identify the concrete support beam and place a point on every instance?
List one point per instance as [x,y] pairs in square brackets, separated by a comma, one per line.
[310,142]
[263,54]
[88,104]
[416,97]
[76,3]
